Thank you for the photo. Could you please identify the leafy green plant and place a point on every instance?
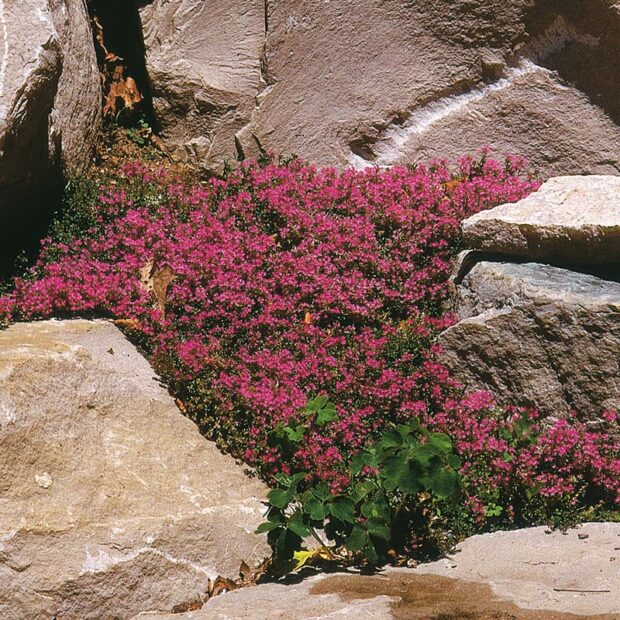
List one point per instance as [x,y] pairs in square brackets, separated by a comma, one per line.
[140,134]
[395,484]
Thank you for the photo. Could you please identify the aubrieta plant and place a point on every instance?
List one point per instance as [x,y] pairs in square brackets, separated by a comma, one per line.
[254,292]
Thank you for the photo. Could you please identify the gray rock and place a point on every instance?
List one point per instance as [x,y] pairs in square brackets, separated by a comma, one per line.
[111,502]
[568,221]
[539,569]
[428,79]
[539,336]
[49,107]
[529,111]
[282,602]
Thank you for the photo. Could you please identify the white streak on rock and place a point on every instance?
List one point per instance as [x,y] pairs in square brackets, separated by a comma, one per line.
[103,561]
[389,148]
[8,413]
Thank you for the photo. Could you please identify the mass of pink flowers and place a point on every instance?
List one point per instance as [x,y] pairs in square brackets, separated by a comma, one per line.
[288,280]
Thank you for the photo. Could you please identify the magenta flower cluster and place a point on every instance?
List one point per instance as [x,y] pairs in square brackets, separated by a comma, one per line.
[286,281]
[518,468]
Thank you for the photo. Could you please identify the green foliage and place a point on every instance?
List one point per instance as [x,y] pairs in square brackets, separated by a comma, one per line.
[140,134]
[398,483]
[78,213]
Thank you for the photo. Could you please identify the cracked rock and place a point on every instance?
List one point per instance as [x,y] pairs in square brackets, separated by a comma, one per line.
[50,102]
[204,62]
[388,82]
[111,502]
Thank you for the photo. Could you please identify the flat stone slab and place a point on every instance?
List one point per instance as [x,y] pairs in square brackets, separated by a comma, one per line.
[527,574]
[111,502]
[539,336]
[576,572]
[572,220]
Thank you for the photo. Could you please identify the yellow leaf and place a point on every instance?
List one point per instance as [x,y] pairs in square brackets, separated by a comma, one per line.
[301,558]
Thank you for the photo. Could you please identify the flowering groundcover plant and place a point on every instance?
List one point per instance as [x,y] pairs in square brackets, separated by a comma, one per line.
[255,292]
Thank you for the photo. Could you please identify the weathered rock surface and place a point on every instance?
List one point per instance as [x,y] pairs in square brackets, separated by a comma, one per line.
[204,61]
[569,221]
[434,78]
[111,502]
[76,114]
[49,108]
[538,569]
[525,575]
[538,335]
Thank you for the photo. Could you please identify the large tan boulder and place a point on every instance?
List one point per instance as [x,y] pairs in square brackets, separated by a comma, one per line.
[49,109]
[568,221]
[75,118]
[111,502]
[381,83]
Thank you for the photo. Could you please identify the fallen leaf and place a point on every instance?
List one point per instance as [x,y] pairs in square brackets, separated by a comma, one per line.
[301,558]
[127,323]
[157,282]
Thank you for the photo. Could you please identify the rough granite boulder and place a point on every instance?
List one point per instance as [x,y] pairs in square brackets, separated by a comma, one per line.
[433,78]
[569,221]
[204,62]
[529,574]
[538,336]
[50,103]
[111,502]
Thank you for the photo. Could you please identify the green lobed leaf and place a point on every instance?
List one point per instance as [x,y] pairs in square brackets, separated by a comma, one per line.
[379,529]
[321,491]
[361,460]
[325,416]
[445,483]
[376,510]
[440,442]
[297,526]
[391,439]
[280,498]
[294,433]
[267,527]
[371,553]
[342,508]
[361,490]
[454,461]
[357,539]
[315,508]
[394,470]
[314,404]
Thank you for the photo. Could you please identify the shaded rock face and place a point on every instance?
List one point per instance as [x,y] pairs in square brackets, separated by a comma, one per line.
[388,82]
[111,502]
[204,62]
[49,109]
[539,336]
[568,221]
